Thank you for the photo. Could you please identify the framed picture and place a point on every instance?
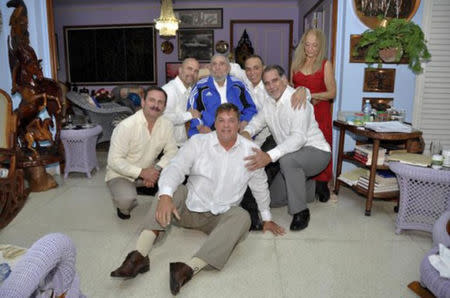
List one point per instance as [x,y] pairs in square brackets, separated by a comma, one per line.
[369,10]
[197,44]
[379,79]
[200,18]
[172,69]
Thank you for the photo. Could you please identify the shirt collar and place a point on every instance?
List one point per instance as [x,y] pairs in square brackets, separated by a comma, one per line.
[215,141]
[180,85]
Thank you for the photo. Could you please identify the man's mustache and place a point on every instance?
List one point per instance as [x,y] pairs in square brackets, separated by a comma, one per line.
[155,109]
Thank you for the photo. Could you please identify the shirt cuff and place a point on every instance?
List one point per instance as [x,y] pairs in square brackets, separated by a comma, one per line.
[187,116]
[136,171]
[266,215]
[165,191]
[274,154]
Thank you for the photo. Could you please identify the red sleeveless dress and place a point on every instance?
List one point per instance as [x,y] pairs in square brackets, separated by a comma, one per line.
[316,83]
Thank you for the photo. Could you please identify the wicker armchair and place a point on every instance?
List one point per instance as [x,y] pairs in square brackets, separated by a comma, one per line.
[103,116]
[424,196]
[47,267]
[12,190]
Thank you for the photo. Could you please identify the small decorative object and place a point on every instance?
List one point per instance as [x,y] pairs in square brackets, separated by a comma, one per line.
[379,103]
[211,18]
[399,37]
[167,47]
[368,11]
[103,95]
[167,23]
[243,49]
[379,80]
[222,47]
[196,44]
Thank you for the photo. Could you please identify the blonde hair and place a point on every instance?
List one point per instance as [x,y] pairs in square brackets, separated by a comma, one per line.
[300,56]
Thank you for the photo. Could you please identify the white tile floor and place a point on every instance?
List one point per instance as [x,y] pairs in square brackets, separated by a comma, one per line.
[341,254]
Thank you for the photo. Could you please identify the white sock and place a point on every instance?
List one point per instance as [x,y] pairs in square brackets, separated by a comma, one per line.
[196,264]
[145,242]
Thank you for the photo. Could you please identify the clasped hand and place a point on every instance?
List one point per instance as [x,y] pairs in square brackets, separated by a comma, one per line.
[149,176]
[258,160]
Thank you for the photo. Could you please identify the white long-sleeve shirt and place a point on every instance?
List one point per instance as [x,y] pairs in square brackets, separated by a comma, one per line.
[291,129]
[259,95]
[176,108]
[133,148]
[217,178]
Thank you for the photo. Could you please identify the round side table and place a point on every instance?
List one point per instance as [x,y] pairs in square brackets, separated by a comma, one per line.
[79,147]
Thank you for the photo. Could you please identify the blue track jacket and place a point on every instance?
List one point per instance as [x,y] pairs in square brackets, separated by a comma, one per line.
[206,99]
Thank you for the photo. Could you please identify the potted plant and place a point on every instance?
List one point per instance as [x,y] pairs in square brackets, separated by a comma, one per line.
[398,38]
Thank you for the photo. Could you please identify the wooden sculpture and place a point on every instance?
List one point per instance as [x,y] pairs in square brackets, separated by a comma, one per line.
[38,94]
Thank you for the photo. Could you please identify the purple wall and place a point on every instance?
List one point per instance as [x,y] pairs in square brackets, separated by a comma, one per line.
[145,12]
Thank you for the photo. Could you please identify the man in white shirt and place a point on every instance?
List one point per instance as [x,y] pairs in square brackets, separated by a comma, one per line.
[178,91]
[135,146]
[209,202]
[301,149]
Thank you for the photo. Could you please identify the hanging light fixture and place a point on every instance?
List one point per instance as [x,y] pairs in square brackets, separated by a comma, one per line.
[167,23]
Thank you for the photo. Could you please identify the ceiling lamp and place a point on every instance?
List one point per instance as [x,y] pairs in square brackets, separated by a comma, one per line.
[167,23]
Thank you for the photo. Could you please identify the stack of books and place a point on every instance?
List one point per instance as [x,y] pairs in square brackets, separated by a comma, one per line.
[385,181]
[363,154]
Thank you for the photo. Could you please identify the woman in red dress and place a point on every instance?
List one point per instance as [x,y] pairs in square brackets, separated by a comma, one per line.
[312,70]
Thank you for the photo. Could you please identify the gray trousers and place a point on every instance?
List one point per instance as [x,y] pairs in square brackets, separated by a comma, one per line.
[224,230]
[124,192]
[292,186]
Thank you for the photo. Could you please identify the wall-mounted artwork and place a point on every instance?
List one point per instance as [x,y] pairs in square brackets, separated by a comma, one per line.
[369,10]
[200,18]
[379,80]
[197,44]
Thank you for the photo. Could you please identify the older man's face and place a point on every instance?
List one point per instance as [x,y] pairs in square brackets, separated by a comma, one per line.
[188,72]
[274,84]
[219,68]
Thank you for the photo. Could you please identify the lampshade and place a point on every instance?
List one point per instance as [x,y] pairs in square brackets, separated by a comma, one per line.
[167,23]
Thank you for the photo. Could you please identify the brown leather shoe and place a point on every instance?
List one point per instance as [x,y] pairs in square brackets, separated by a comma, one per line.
[134,263]
[180,273]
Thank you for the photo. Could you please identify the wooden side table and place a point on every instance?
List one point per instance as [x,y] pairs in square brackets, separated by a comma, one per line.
[79,147]
[376,137]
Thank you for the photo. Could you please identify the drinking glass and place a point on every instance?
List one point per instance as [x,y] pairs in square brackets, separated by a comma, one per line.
[435,147]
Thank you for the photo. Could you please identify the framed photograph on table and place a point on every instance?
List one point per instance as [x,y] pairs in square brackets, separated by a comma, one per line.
[211,18]
[379,80]
[197,44]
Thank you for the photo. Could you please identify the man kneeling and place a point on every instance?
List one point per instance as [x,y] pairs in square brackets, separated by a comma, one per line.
[209,202]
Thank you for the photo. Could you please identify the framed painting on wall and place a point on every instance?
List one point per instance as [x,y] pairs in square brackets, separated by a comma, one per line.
[379,79]
[200,18]
[197,44]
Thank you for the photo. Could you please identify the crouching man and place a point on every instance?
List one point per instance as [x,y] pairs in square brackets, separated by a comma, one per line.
[209,202]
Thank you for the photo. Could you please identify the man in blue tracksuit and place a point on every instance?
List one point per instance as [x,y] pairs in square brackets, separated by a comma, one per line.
[212,91]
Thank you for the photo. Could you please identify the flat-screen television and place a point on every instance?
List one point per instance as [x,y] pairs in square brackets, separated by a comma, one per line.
[110,54]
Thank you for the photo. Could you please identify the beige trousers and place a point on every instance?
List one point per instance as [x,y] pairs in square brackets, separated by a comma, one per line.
[124,192]
[224,230]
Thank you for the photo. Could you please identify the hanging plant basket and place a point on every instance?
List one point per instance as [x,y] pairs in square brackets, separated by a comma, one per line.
[389,55]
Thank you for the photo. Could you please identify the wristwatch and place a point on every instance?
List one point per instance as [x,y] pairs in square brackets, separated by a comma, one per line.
[158,168]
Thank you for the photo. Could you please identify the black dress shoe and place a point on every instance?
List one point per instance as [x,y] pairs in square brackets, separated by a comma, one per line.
[180,274]
[122,215]
[300,220]
[322,191]
[134,264]
[146,191]
[256,222]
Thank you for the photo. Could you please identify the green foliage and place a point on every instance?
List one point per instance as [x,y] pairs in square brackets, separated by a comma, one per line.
[401,34]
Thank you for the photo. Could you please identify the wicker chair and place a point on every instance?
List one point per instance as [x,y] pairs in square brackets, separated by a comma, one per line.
[47,267]
[12,189]
[424,196]
[103,116]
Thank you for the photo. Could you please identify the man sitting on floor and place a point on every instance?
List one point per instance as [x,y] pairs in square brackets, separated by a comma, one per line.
[135,145]
[301,148]
[209,202]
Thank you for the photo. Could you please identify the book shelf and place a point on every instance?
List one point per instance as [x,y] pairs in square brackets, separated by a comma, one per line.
[376,138]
